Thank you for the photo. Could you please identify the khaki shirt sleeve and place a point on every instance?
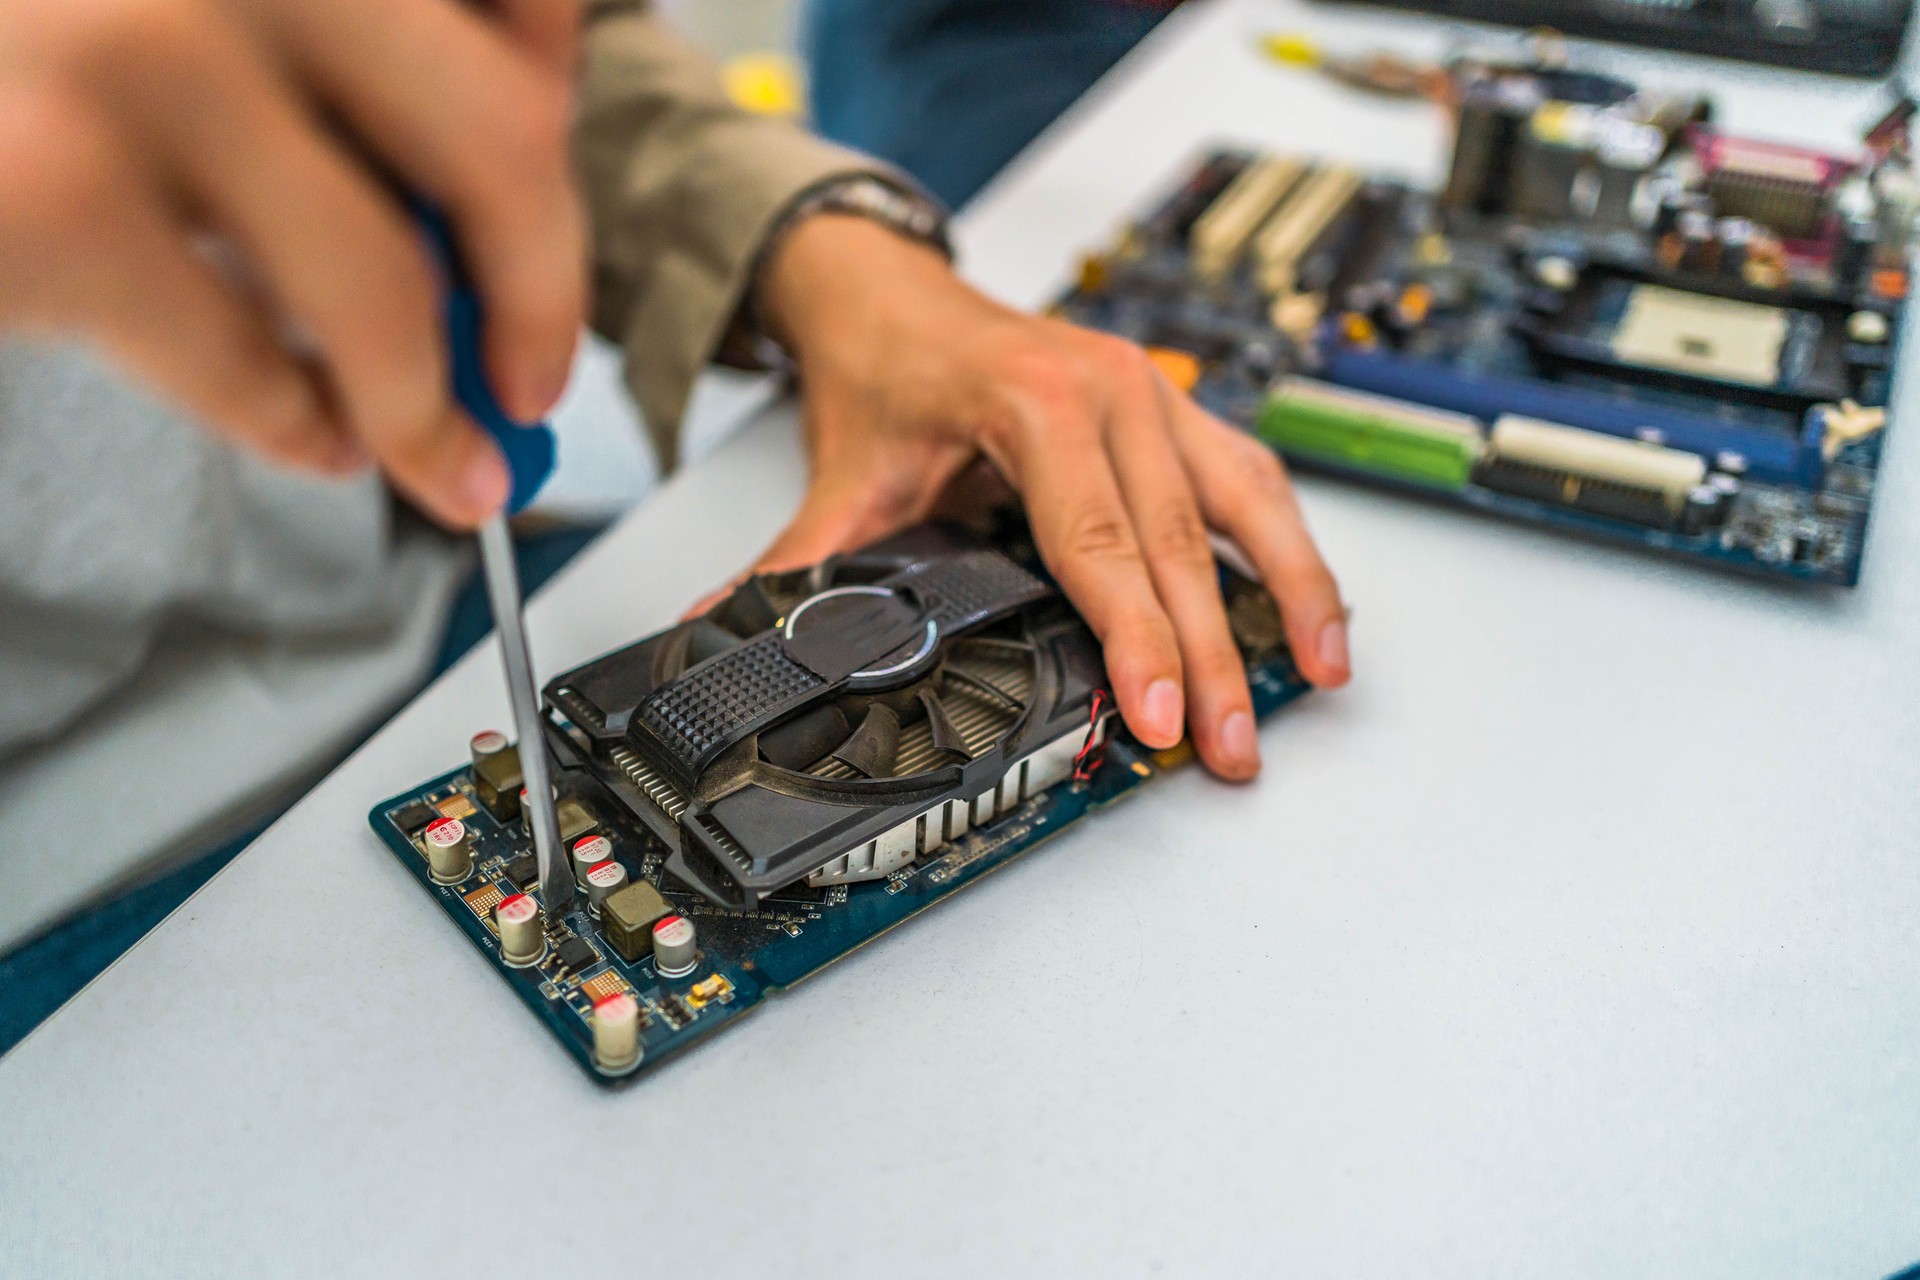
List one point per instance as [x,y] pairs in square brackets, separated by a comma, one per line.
[682,188]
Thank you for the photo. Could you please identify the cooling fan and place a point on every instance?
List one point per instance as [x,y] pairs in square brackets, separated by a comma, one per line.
[836,723]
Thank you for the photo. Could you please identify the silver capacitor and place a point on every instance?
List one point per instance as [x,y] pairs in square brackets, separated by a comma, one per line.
[1705,507]
[449,850]
[588,853]
[523,937]
[487,744]
[675,952]
[602,879]
[616,1034]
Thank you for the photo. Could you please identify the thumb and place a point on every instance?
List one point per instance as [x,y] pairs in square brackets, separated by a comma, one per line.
[828,521]
[825,523]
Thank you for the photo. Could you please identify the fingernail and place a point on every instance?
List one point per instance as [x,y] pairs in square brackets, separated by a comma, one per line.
[1162,710]
[483,489]
[1333,645]
[1237,739]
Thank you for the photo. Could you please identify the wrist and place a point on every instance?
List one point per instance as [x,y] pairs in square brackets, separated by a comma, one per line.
[834,280]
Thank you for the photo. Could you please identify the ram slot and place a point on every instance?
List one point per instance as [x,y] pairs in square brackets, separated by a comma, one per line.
[1223,230]
[1306,215]
[1374,434]
[1631,480]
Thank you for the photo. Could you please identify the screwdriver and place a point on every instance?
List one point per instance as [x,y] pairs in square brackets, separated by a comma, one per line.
[529,451]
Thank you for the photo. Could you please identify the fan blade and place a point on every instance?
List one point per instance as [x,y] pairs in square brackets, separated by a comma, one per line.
[983,686]
[945,736]
[874,745]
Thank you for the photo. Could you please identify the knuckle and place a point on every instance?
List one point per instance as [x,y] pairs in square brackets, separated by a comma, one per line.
[1050,378]
[1100,536]
[1123,361]
[1263,472]
[1217,664]
[1180,536]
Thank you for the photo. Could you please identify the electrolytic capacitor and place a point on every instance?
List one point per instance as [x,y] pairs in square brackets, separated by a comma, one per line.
[602,879]
[1853,254]
[487,744]
[449,850]
[589,852]
[1705,507]
[523,938]
[1699,250]
[1735,235]
[1666,212]
[674,951]
[616,1034]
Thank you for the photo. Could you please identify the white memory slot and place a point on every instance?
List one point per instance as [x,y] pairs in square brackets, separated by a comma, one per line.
[1636,463]
[1224,229]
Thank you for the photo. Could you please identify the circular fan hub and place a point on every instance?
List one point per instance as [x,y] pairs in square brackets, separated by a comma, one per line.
[875,637]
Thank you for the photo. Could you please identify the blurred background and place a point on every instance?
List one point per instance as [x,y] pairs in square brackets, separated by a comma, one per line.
[732,27]
[606,465]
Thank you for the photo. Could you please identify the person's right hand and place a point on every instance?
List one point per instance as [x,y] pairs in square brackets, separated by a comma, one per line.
[196,186]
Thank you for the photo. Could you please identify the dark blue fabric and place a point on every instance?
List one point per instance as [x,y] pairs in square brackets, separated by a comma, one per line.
[950,90]
[39,977]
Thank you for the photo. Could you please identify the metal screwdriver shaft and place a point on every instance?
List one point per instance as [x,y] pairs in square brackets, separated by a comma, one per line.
[503,594]
[528,453]
[528,449]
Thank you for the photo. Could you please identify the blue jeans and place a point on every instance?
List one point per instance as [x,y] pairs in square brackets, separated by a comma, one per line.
[950,90]
[39,977]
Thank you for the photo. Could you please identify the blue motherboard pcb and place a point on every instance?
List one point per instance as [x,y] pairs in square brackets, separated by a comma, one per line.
[1614,320]
[744,956]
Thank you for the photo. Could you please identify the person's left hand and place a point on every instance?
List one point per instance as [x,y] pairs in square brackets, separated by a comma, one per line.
[909,378]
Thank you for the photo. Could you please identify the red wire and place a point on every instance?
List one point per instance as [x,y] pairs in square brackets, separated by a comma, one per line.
[1087,762]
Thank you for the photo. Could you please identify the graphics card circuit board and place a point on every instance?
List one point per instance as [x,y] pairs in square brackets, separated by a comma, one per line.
[745,956]
[652,954]
[1614,319]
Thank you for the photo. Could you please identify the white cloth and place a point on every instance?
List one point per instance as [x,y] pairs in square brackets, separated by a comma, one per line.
[186,633]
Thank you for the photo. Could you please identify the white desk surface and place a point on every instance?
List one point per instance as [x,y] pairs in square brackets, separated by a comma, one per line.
[1577,938]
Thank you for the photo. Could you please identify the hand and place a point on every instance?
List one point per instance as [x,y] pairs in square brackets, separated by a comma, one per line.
[909,377]
[176,192]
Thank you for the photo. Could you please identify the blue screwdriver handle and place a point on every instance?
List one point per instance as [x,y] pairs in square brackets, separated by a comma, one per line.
[529,447]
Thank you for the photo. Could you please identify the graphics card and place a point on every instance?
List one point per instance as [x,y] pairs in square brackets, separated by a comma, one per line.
[753,793]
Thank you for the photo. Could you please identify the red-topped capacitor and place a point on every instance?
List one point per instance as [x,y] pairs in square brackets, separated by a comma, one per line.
[449,850]
[675,952]
[486,744]
[589,852]
[523,939]
[604,878]
[616,1033]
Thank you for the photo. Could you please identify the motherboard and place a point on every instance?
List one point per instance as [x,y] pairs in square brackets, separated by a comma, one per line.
[753,794]
[1615,318]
